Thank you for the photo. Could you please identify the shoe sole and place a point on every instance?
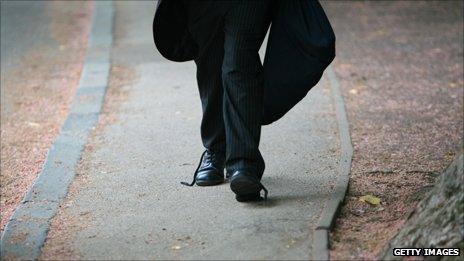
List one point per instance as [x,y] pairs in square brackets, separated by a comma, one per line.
[245,188]
[209,183]
[249,197]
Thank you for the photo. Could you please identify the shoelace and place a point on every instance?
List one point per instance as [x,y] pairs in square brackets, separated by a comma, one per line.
[210,157]
[196,171]
[261,186]
[265,190]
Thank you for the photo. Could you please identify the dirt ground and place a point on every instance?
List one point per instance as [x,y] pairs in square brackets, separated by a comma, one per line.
[400,64]
[40,90]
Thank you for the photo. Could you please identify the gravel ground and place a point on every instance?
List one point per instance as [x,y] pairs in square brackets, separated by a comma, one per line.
[37,92]
[400,64]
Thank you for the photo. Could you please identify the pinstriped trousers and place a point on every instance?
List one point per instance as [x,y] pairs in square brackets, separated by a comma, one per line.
[230,81]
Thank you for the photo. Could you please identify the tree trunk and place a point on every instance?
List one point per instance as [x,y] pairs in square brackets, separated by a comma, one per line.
[438,220]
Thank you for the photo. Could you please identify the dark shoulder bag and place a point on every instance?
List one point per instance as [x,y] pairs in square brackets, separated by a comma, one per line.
[300,47]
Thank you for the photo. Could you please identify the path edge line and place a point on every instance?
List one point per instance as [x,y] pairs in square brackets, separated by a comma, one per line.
[26,231]
[332,207]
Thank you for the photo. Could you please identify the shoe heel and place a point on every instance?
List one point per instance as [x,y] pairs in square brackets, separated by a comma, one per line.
[244,186]
[249,197]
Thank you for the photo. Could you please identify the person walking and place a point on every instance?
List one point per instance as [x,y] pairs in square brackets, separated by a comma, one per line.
[223,38]
[229,74]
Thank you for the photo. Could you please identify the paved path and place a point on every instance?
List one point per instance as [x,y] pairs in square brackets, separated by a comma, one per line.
[127,202]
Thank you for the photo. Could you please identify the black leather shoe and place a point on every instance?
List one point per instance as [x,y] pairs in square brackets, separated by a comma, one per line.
[210,170]
[246,186]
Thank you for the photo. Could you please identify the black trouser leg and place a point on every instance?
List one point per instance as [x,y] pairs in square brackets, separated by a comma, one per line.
[245,26]
[209,80]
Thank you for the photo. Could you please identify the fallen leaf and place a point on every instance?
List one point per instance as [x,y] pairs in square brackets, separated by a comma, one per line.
[33,124]
[381,32]
[370,199]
